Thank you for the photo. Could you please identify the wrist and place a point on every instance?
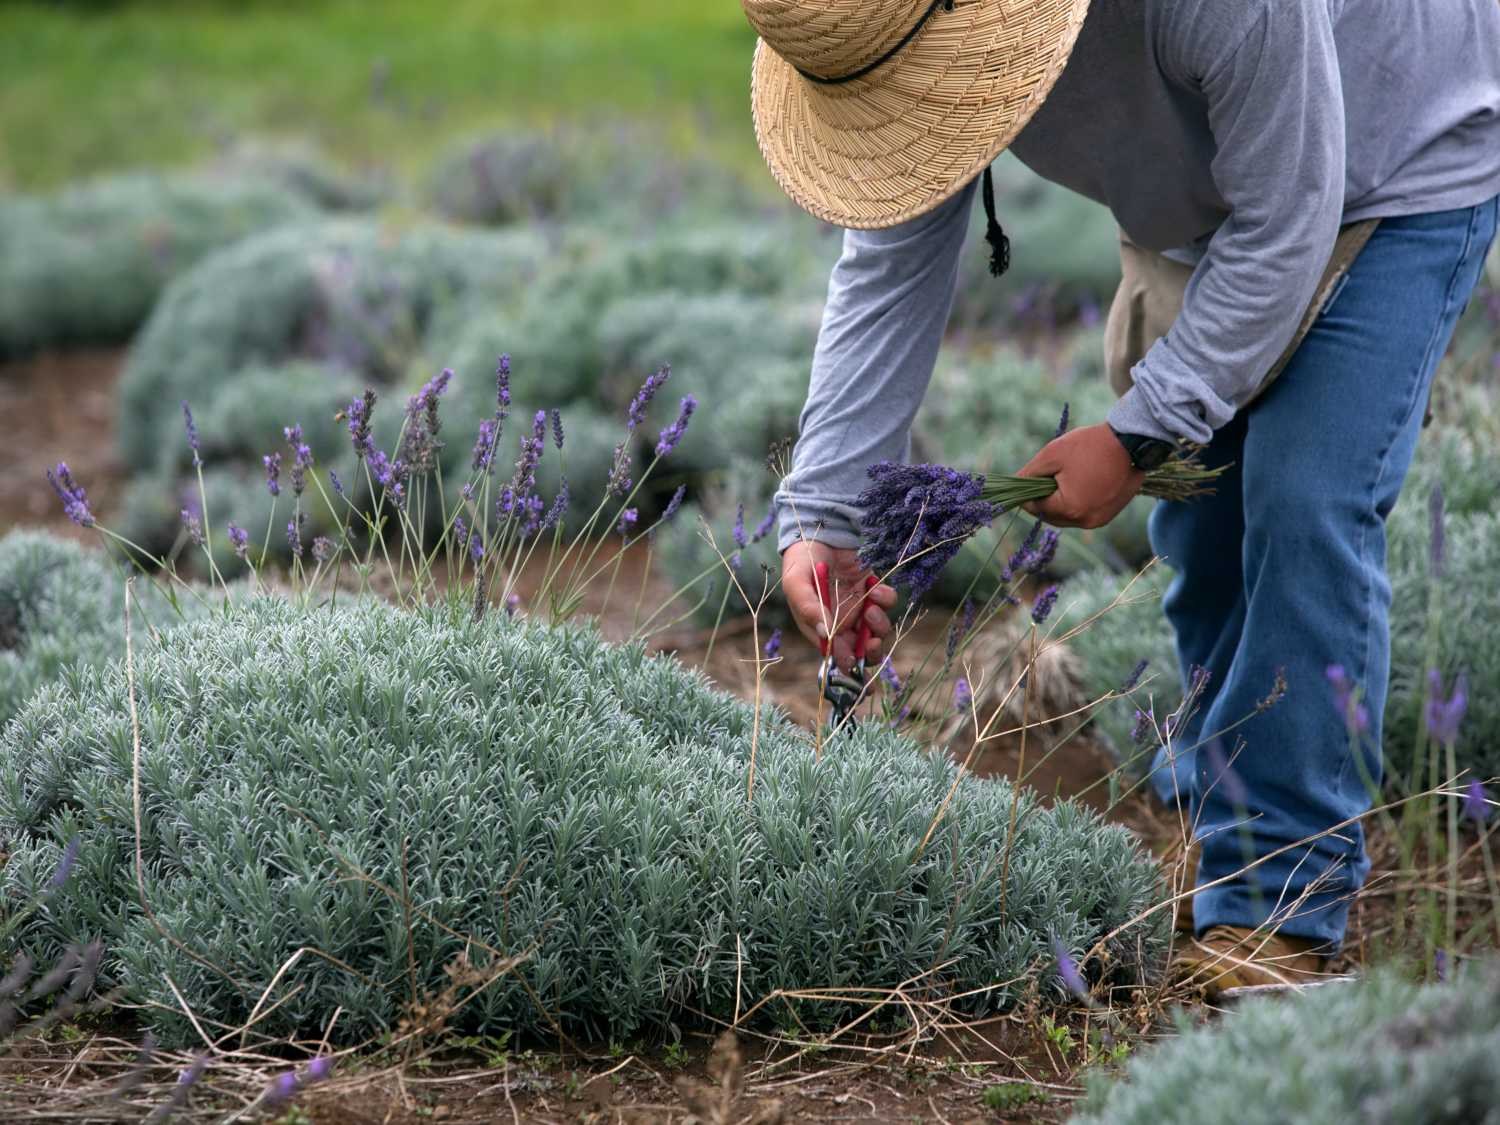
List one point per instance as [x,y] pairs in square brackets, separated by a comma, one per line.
[1144,451]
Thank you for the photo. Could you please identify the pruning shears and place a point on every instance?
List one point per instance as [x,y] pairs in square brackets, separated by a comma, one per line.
[843,690]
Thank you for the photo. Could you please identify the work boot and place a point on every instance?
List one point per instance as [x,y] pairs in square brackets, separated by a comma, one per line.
[1228,957]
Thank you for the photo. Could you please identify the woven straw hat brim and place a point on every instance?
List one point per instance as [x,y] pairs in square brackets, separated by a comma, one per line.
[894,144]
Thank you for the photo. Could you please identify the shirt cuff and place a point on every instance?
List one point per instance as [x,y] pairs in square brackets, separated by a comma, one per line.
[823,521]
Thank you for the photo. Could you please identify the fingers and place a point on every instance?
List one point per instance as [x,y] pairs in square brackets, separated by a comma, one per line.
[854,606]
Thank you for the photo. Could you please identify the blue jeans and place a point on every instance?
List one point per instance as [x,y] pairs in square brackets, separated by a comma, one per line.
[1285,569]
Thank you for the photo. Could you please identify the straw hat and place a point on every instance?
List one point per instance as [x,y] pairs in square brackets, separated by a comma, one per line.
[871,112]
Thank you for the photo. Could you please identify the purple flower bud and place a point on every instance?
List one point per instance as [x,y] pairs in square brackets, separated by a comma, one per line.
[319,1069]
[559,506]
[773,645]
[1477,803]
[738,530]
[763,528]
[1346,700]
[333,479]
[1067,970]
[502,388]
[669,437]
[1041,609]
[1440,964]
[1439,552]
[294,534]
[512,604]
[74,500]
[1135,676]
[192,433]
[916,518]
[283,1088]
[358,416]
[272,462]
[627,520]
[1445,716]
[636,414]
[193,527]
[194,1071]
[65,864]
[963,694]
[557,429]
[1144,728]
[484,445]
[239,539]
[1062,425]
[889,676]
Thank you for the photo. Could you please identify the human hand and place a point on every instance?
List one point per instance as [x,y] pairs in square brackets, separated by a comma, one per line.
[847,579]
[1095,479]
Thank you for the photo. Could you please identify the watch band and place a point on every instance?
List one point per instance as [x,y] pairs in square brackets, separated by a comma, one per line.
[1145,452]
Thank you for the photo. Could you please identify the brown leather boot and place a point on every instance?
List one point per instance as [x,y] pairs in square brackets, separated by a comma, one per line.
[1228,957]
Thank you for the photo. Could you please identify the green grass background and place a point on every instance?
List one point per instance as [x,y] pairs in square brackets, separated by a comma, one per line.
[87,88]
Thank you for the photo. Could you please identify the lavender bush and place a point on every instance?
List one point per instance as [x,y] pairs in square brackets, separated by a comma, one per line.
[543,792]
[1380,1050]
[84,266]
[349,296]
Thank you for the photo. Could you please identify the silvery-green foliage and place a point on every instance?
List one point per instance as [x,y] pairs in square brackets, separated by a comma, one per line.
[61,605]
[712,342]
[623,174]
[85,265]
[1065,257]
[542,791]
[1108,651]
[304,171]
[685,550]
[1382,1050]
[348,294]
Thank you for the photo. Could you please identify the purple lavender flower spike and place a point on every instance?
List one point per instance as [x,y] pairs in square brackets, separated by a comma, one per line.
[670,436]
[1041,609]
[1445,716]
[1135,676]
[1067,969]
[627,520]
[917,518]
[559,506]
[636,414]
[319,1069]
[963,694]
[1477,803]
[333,479]
[1355,714]
[512,604]
[773,645]
[1019,562]
[65,864]
[619,472]
[502,388]
[763,528]
[358,416]
[890,677]
[1144,728]
[75,502]
[738,530]
[1438,553]
[239,539]
[272,462]
[294,534]
[192,433]
[557,429]
[484,445]
[283,1088]
[193,527]
[1440,964]
[1062,425]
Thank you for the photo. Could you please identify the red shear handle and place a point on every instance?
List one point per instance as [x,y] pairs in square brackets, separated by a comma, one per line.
[825,593]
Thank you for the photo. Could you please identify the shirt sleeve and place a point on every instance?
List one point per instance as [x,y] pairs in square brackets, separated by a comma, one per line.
[889,299]
[1276,109]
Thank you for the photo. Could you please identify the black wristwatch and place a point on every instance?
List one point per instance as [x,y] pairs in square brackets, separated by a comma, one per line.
[1146,453]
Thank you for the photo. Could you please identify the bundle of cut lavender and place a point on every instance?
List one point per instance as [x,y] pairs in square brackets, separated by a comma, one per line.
[917,517]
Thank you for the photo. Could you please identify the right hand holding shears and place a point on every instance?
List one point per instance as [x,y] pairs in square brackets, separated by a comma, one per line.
[852,607]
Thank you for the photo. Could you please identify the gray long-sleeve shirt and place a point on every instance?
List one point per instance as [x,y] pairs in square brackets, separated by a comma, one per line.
[1234,134]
